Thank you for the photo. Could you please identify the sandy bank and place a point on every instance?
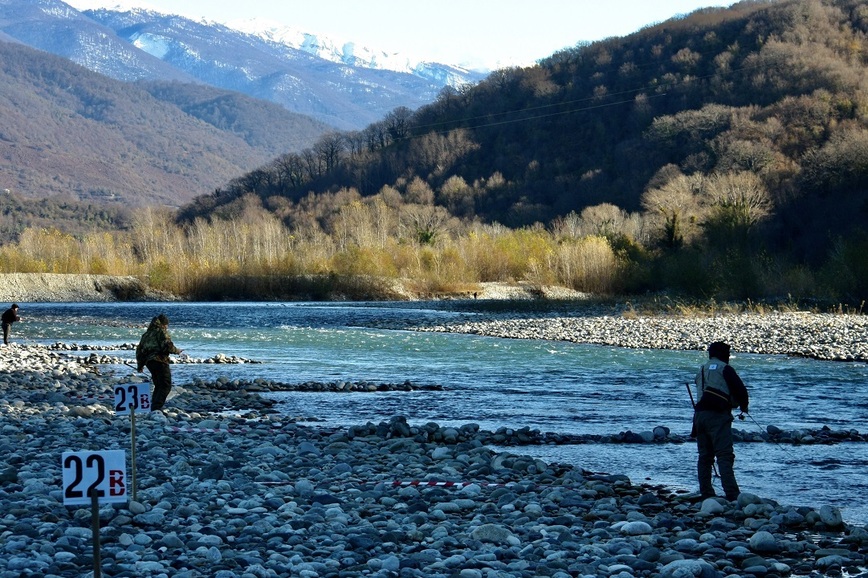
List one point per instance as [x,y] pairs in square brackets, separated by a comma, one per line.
[72,288]
[61,288]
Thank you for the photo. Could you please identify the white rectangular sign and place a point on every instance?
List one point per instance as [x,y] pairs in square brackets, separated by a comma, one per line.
[103,472]
[132,395]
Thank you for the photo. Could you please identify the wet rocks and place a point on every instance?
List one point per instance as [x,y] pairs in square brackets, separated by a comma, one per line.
[265,385]
[254,494]
[661,434]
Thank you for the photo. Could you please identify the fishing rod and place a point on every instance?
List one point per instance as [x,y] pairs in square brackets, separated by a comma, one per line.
[765,432]
[690,393]
[693,431]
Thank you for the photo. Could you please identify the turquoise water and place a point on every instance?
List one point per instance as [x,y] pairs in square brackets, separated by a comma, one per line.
[552,386]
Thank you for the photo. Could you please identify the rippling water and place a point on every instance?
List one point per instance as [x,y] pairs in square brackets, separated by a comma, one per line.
[552,386]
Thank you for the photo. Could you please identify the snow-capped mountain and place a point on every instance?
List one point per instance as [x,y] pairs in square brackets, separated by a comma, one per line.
[55,27]
[335,82]
[353,54]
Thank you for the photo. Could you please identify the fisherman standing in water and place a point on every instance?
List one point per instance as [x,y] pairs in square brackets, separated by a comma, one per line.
[720,390]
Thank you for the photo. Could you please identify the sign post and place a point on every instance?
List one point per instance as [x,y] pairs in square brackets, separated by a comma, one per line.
[94,478]
[129,398]
[94,526]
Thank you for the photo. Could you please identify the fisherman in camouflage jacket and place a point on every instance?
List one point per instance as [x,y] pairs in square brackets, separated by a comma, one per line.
[153,352]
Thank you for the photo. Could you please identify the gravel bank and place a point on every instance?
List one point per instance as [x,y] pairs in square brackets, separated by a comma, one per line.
[60,288]
[82,288]
[815,335]
[246,493]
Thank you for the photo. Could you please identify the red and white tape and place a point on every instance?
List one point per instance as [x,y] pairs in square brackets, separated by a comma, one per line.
[204,429]
[430,484]
[414,483]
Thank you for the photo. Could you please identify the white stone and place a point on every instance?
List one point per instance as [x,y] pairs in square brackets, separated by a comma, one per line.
[763,541]
[711,506]
[636,528]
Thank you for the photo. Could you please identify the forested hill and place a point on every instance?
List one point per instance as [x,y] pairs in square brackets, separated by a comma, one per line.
[756,115]
[81,137]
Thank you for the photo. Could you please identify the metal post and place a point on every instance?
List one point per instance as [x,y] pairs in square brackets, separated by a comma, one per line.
[133,448]
[97,558]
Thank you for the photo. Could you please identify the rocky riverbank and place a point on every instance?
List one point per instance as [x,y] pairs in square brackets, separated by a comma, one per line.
[227,488]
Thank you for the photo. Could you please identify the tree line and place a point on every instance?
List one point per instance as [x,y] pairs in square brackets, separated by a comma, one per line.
[354,245]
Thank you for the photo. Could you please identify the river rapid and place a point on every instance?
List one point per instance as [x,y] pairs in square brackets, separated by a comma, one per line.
[553,386]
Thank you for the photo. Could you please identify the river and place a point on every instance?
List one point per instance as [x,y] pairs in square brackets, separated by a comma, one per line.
[552,386]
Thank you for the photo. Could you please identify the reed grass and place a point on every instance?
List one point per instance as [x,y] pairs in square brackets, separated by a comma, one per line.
[258,257]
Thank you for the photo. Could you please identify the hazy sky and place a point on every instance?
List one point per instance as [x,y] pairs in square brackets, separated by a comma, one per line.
[478,32]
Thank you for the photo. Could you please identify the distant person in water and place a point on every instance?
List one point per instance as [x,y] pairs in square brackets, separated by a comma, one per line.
[9,317]
[153,352]
[720,390]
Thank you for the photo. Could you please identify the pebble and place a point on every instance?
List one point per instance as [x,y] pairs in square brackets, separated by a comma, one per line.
[254,494]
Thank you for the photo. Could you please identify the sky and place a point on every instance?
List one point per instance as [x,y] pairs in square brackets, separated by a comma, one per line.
[478,33]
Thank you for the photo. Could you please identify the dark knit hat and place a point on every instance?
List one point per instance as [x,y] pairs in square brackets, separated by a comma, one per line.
[720,350]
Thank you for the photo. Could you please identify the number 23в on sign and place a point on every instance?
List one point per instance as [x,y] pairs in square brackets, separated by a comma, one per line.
[131,396]
[104,472]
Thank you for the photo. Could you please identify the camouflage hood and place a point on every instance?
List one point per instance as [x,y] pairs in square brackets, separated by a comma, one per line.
[155,342]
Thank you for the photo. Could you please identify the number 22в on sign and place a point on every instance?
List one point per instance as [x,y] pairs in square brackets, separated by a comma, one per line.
[102,472]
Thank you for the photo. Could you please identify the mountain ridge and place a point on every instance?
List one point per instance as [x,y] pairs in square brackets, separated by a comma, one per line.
[144,44]
[80,135]
[351,53]
[331,90]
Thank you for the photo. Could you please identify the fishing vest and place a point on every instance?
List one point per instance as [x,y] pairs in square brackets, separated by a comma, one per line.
[712,381]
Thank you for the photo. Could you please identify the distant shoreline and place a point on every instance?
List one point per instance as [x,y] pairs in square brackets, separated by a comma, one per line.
[522,311]
[75,288]
[87,288]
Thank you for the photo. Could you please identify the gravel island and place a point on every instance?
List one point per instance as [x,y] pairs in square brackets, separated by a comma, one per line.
[824,336]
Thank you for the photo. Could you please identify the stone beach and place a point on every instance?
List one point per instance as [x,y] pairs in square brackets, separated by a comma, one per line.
[227,487]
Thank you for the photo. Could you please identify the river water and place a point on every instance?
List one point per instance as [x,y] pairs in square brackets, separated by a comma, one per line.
[552,386]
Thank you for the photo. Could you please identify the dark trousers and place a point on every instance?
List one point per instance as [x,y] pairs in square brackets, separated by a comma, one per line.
[714,441]
[6,328]
[161,375]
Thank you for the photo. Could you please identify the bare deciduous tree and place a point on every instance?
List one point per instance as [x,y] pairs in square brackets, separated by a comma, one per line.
[398,123]
[329,149]
[425,224]
[603,220]
[675,207]
[419,192]
[738,200]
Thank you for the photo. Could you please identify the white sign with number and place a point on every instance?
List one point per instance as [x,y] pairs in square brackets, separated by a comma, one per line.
[102,472]
[132,395]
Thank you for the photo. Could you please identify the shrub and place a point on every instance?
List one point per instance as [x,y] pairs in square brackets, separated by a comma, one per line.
[589,265]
